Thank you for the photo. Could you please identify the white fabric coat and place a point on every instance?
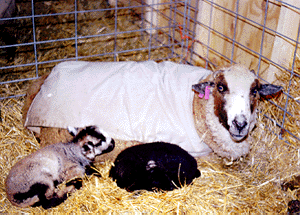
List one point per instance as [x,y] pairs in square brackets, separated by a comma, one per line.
[143,101]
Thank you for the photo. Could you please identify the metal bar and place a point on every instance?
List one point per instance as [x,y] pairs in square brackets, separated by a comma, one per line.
[209,32]
[291,76]
[234,33]
[76,32]
[116,30]
[34,40]
[262,37]
[290,5]
[194,28]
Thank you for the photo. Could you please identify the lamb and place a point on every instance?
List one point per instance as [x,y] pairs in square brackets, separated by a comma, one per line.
[156,165]
[222,123]
[33,180]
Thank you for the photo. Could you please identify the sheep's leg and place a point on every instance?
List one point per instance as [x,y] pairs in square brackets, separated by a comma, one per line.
[73,171]
[46,195]
[90,170]
[77,183]
[33,197]
[54,201]
[58,197]
[63,192]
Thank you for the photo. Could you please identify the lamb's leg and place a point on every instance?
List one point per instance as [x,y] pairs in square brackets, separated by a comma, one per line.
[34,196]
[90,170]
[53,196]
[55,200]
[59,196]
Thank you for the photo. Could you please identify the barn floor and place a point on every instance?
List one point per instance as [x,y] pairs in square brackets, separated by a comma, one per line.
[251,185]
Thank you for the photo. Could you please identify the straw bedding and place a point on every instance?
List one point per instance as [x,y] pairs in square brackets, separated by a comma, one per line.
[250,185]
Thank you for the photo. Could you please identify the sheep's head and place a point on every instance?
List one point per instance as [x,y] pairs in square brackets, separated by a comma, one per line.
[93,142]
[236,91]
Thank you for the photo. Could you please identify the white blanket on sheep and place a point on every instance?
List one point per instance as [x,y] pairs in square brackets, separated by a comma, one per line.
[143,101]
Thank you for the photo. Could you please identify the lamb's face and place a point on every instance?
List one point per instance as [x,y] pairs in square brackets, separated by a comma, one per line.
[235,100]
[94,147]
[94,143]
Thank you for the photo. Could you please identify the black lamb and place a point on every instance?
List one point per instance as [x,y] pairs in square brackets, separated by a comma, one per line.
[159,165]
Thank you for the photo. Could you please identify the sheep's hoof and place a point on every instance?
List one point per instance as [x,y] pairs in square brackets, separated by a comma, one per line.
[294,206]
[77,183]
[227,162]
[293,184]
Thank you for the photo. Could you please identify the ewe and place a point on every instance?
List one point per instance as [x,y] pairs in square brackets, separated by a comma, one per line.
[149,102]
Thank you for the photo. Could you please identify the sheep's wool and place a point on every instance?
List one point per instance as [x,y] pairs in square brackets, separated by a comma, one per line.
[143,101]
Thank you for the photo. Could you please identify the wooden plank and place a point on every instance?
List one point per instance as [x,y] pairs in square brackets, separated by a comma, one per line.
[202,33]
[152,15]
[172,13]
[283,48]
[150,8]
[244,31]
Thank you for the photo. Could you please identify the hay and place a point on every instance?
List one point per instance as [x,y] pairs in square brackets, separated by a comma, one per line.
[250,185]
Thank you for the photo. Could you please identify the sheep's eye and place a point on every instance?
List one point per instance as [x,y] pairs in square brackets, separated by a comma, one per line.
[220,88]
[86,148]
[90,143]
[254,92]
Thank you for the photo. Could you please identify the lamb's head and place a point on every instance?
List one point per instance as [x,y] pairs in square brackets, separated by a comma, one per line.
[93,142]
[235,92]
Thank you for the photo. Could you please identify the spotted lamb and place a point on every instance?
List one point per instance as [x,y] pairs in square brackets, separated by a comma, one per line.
[33,180]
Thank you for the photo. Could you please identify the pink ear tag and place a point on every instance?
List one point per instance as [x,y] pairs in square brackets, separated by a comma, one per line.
[207,91]
[201,95]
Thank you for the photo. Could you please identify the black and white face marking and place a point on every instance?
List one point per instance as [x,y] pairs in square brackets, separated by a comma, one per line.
[73,131]
[235,101]
[236,91]
[93,142]
[94,147]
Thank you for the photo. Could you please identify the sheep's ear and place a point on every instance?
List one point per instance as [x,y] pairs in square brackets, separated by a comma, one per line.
[269,90]
[216,73]
[200,88]
[73,131]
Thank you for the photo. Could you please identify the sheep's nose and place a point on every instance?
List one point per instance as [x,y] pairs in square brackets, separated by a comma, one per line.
[112,145]
[240,125]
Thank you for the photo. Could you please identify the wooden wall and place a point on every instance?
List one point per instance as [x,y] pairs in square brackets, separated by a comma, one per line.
[240,38]
[250,37]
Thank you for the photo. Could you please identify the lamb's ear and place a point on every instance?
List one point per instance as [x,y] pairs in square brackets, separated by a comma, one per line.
[269,90]
[73,131]
[200,88]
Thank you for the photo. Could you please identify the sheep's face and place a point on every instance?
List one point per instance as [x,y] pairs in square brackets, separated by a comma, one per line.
[236,91]
[235,101]
[93,142]
[93,146]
